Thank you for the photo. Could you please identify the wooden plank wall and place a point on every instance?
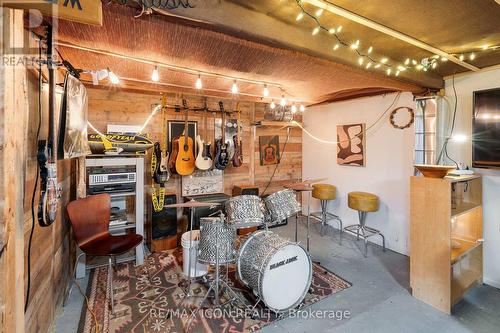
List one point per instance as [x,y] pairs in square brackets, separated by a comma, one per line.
[51,257]
[12,150]
[108,106]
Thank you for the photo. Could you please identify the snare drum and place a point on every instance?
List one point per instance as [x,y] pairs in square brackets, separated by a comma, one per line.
[215,232]
[245,211]
[277,270]
[282,205]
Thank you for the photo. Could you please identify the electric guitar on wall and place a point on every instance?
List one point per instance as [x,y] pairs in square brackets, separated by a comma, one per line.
[47,149]
[221,146]
[185,162]
[238,152]
[164,172]
[204,158]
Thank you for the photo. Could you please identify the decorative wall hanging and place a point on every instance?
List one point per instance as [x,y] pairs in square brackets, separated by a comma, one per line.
[203,182]
[351,144]
[128,144]
[395,112]
[269,147]
[278,113]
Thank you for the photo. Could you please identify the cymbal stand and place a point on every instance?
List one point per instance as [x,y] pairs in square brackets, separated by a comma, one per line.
[189,278]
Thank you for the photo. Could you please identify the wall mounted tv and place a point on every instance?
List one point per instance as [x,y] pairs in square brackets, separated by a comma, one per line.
[486,129]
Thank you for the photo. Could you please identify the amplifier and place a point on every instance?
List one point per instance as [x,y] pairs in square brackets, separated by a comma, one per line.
[111,179]
[245,190]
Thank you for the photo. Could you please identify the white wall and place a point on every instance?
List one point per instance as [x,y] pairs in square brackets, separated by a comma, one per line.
[389,163]
[462,152]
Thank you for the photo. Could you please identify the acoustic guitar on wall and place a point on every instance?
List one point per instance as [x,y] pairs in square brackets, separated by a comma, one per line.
[185,162]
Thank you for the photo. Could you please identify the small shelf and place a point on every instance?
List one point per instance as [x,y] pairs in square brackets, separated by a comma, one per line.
[129,225]
[121,194]
[459,286]
[465,248]
[271,123]
[464,208]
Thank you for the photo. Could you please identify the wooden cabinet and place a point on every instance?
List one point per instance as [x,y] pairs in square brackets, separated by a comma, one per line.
[446,235]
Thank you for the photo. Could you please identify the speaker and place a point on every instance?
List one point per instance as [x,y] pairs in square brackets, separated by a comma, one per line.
[245,190]
[164,223]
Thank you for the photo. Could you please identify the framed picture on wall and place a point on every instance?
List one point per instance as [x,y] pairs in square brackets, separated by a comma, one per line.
[269,147]
[176,128]
[351,144]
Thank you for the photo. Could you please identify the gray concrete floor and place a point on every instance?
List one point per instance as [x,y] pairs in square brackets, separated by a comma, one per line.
[378,301]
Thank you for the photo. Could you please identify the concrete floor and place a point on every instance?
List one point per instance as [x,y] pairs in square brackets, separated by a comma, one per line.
[378,301]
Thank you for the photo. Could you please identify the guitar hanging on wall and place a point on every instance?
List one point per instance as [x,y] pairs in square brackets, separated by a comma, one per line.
[47,149]
[185,162]
[160,153]
[221,146]
[204,158]
[238,151]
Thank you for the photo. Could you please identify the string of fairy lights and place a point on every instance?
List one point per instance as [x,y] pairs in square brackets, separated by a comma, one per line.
[365,55]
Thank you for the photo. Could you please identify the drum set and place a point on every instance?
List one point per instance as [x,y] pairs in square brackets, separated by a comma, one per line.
[277,270]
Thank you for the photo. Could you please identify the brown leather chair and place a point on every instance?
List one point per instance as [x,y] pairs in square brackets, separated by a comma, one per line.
[90,221]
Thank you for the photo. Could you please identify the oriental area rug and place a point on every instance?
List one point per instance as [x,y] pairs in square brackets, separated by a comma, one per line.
[148,299]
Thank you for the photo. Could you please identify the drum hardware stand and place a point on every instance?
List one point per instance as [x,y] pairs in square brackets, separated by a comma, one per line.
[215,284]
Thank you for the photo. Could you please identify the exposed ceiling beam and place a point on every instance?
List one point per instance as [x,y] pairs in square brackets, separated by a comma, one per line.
[231,18]
[388,31]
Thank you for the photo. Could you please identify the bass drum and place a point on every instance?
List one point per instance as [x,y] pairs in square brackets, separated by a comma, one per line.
[277,270]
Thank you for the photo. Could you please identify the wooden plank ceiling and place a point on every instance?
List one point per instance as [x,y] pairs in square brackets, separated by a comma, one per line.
[159,38]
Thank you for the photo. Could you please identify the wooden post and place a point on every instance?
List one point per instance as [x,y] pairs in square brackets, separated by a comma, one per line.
[12,153]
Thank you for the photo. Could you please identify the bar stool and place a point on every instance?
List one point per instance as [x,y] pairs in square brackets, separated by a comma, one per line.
[325,193]
[364,202]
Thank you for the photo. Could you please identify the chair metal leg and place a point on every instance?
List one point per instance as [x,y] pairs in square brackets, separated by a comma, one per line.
[110,283]
[72,280]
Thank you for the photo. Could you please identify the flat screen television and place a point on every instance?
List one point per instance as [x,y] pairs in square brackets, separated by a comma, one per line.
[486,129]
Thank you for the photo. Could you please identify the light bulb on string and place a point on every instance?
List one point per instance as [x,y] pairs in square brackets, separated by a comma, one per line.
[294,108]
[414,62]
[265,93]
[472,56]
[331,31]
[355,45]
[156,75]
[444,59]
[361,60]
[368,65]
[485,47]
[378,65]
[336,46]
[113,78]
[389,71]
[283,100]
[299,16]
[234,88]
[315,31]
[434,65]
[461,57]
[339,29]
[370,49]
[272,105]
[384,60]
[302,108]
[397,73]
[199,84]
[319,12]
[407,61]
